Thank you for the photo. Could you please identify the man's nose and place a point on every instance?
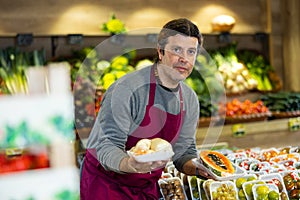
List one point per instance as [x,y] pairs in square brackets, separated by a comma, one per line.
[183,58]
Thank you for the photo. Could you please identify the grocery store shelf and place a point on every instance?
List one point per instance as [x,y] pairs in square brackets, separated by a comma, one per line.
[273,133]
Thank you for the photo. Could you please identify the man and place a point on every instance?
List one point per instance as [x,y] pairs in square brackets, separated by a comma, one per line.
[149,103]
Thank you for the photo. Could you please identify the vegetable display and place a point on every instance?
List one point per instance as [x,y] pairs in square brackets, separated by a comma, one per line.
[282,101]
[13,64]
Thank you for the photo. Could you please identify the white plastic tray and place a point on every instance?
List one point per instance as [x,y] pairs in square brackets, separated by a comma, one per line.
[169,181]
[239,172]
[270,186]
[165,154]
[194,188]
[271,178]
[254,182]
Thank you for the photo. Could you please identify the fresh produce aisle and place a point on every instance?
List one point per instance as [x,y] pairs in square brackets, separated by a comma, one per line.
[250,102]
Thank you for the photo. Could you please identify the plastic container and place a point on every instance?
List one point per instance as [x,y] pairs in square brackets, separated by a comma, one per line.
[206,187]
[294,175]
[285,157]
[275,178]
[166,175]
[220,188]
[270,186]
[247,177]
[247,188]
[164,154]
[194,188]
[246,162]
[259,166]
[201,190]
[172,188]
[235,156]
[239,172]
[268,154]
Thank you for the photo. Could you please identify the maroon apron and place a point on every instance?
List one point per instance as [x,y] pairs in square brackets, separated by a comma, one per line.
[98,183]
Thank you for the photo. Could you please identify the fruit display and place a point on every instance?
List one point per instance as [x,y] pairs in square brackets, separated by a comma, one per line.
[265,176]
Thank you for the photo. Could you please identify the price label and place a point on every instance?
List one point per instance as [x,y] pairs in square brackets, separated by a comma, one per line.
[238,130]
[13,152]
[294,124]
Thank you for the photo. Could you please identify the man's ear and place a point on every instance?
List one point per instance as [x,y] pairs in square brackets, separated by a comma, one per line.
[160,52]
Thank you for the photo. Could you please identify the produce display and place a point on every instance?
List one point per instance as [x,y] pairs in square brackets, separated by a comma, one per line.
[224,70]
[237,108]
[13,64]
[282,103]
[245,70]
[23,161]
[236,76]
[91,75]
[266,176]
[260,70]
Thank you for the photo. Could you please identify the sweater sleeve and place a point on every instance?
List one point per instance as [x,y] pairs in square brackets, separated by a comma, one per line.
[111,129]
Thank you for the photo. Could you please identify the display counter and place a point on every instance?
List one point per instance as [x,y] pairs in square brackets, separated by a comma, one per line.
[264,134]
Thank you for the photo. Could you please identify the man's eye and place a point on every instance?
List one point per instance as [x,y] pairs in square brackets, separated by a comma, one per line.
[191,52]
[177,50]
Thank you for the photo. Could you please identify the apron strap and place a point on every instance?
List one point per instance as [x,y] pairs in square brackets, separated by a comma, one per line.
[152,87]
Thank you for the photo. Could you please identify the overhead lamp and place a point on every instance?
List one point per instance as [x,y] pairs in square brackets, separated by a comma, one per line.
[223,23]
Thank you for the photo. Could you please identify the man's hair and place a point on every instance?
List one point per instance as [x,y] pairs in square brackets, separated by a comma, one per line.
[181,26]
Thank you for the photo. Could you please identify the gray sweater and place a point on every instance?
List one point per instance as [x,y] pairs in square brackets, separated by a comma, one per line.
[122,110]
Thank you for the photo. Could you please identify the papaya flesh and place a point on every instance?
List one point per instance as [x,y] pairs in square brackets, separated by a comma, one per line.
[217,162]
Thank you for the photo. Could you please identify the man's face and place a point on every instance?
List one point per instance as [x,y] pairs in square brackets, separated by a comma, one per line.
[179,57]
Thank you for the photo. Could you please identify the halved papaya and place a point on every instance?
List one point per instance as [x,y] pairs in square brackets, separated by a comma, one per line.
[218,163]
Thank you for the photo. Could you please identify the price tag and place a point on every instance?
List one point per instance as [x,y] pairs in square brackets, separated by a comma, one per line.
[294,124]
[13,152]
[238,130]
